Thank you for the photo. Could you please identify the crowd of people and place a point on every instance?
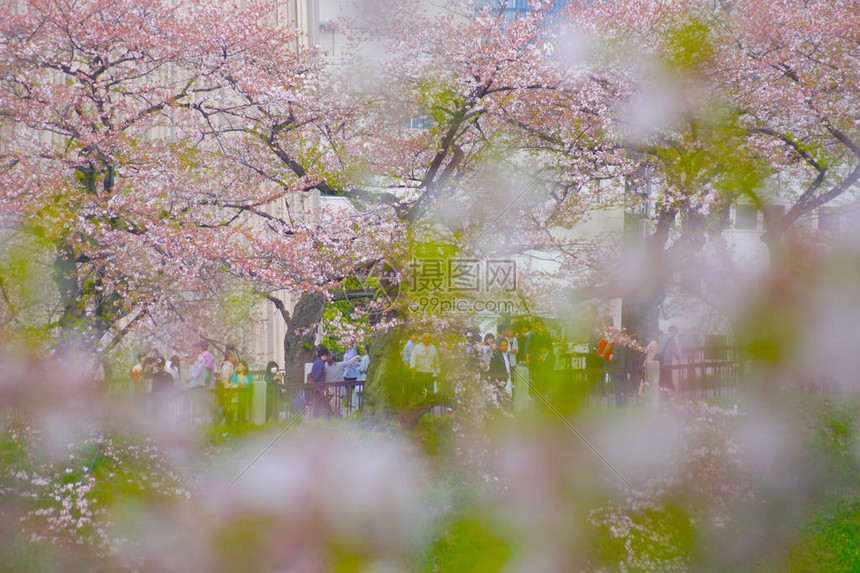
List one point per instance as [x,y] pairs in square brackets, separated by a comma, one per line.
[495,358]
[205,385]
[521,357]
[620,366]
[200,389]
[327,369]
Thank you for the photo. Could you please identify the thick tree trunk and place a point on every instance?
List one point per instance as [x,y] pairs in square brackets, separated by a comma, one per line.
[387,379]
[640,304]
[301,331]
[640,313]
[66,278]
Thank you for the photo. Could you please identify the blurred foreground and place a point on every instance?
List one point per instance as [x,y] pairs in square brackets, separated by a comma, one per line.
[94,481]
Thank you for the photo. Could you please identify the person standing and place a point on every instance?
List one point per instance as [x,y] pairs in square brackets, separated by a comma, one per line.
[228,369]
[137,370]
[667,354]
[614,362]
[316,398]
[146,375]
[513,344]
[317,373]
[363,365]
[407,350]
[334,378]
[594,373]
[242,377]
[499,374]
[199,374]
[162,384]
[241,381]
[473,354]
[174,368]
[542,372]
[541,358]
[200,380]
[523,353]
[424,364]
[605,345]
[350,361]
[539,339]
[489,347]
[334,370]
[614,357]
[225,378]
[274,379]
[210,366]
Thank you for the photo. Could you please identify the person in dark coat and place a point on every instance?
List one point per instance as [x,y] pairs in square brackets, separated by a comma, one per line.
[316,398]
[274,379]
[499,373]
[619,382]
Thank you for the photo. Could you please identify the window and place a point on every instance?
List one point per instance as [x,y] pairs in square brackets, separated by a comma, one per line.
[513,8]
[419,122]
[746,218]
[773,212]
[828,220]
[634,227]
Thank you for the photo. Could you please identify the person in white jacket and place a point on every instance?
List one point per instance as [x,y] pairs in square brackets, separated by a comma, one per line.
[199,377]
[363,365]
[424,363]
[200,373]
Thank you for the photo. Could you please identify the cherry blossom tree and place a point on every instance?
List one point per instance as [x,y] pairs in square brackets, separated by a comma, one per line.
[150,149]
[107,157]
[322,132]
[722,101]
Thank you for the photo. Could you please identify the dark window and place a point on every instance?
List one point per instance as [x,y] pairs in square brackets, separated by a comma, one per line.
[828,220]
[773,212]
[513,8]
[634,226]
[746,218]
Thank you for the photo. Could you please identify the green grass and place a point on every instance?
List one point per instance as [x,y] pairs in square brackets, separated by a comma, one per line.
[468,543]
[831,543]
[830,539]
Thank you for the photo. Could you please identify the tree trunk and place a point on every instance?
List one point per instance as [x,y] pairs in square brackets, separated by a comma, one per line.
[640,312]
[640,304]
[386,376]
[301,331]
[66,279]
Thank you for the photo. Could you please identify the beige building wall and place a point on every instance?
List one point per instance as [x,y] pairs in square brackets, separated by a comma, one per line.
[263,340]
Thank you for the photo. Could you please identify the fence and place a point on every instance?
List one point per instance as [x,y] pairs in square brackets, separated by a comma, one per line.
[272,402]
[702,373]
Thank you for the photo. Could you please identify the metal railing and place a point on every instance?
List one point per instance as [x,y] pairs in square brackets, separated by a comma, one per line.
[702,373]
